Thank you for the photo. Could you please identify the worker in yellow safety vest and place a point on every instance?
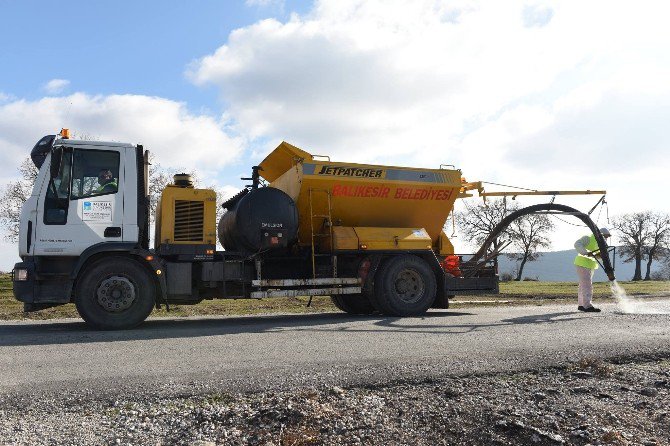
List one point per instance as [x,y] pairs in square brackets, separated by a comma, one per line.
[106,182]
[585,262]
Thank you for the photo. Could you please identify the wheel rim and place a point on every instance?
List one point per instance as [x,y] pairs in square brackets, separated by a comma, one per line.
[116,294]
[409,286]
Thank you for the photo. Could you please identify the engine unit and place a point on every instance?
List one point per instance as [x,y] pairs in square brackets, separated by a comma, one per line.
[185,217]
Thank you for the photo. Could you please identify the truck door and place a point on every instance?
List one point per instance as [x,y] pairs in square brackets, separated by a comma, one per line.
[29,212]
[83,204]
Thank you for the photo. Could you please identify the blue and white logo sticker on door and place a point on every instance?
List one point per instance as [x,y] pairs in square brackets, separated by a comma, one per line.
[97,211]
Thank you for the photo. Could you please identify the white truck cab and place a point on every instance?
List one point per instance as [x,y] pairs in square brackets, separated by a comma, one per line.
[71,210]
[89,200]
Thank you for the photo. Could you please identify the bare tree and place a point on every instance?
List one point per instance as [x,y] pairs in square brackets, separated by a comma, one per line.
[634,233]
[664,272]
[17,192]
[658,239]
[478,221]
[83,136]
[159,178]
[13,197]
[221,197]
[528,234]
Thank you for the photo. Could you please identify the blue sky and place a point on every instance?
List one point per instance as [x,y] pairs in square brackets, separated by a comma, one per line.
[137,47]
[536,93]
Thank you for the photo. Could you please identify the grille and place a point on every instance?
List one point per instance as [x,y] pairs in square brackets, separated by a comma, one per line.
[188,221]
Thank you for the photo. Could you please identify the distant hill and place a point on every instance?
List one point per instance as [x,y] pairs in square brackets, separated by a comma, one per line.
[557,266]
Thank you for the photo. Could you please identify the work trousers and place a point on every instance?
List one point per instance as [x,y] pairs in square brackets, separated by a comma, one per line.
[585,292]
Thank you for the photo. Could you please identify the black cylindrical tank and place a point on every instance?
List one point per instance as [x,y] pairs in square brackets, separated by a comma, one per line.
[257,220]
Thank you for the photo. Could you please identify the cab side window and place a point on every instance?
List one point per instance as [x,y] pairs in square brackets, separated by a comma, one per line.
[94,173]
[56,201]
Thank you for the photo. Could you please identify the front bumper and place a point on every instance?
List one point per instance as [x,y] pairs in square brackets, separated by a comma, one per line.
[37,289]
[24,290]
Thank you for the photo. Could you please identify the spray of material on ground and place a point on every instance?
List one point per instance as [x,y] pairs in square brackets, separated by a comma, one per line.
[630,305]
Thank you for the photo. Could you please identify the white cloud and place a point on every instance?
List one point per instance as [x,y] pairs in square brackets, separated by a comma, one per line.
[176,136]
[537,15]
[228,191]
[623,130]
[553,95]
[392,77]
[55,86]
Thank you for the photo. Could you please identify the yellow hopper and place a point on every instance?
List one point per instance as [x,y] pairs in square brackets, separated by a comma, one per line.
[347,206]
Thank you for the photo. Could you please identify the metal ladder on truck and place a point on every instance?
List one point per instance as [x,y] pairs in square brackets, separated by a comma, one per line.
[327,221]
[320,284]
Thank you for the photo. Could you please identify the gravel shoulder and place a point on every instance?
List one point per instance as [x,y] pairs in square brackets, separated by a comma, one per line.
[488,375]
[587,402]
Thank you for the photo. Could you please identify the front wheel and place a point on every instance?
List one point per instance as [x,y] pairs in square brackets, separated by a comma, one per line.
[115,294]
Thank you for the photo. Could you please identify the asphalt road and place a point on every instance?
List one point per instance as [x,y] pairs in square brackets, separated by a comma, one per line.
[194,355]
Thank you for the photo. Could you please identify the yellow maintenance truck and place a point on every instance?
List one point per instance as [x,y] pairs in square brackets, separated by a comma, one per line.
[368,236]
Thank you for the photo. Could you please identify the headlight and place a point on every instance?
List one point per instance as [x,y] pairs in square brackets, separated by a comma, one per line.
[20,275]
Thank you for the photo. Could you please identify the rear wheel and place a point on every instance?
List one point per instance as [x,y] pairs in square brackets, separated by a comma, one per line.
[353,303]
[404,286]
[115,293]
[442,302]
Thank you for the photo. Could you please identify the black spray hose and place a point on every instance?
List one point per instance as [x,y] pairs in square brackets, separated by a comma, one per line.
[554,208]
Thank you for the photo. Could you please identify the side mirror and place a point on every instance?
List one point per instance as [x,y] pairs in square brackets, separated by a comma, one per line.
[56,158]
[41,150]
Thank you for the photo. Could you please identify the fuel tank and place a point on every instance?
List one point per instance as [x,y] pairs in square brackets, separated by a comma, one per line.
[258,220]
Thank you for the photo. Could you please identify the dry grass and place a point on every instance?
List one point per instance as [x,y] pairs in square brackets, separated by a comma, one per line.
[614,437]
[600,289]
[299,436]
[595,366]
[511,293]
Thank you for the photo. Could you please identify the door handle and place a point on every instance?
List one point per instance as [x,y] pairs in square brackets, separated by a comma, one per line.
[113,231]
[29,239]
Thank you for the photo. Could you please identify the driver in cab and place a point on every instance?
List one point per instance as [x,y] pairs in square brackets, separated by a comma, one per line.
[107,183]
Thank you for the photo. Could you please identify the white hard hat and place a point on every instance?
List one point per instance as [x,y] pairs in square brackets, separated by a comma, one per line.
[605,232]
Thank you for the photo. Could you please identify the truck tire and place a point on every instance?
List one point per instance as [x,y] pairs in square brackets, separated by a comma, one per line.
[353,303]
[115,293]
[404,286]
[442,302]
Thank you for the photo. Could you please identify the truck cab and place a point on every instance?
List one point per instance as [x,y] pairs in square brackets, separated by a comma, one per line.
[89,197]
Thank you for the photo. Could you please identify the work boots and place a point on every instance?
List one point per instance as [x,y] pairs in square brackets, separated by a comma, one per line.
[589,309]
